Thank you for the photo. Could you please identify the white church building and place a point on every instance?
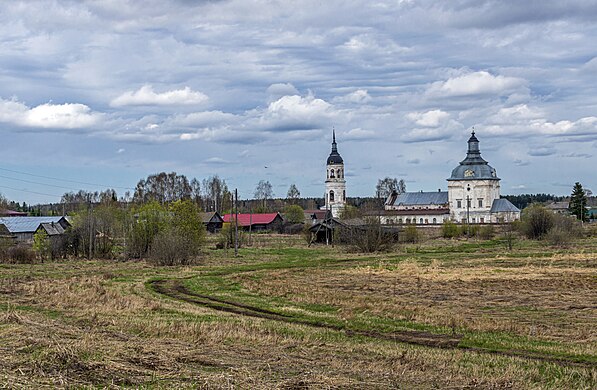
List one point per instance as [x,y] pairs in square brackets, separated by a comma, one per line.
[473,196]
[335,184]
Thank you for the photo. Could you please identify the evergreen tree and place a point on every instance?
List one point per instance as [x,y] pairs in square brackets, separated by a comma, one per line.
[578,203]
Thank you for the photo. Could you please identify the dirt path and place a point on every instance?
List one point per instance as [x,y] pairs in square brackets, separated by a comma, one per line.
[174,288]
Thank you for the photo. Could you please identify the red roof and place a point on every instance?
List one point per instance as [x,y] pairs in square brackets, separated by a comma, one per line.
[252,219]
[11,213]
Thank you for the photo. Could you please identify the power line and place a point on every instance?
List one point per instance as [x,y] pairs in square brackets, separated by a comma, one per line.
[65,180]
[32,192]
[38,183]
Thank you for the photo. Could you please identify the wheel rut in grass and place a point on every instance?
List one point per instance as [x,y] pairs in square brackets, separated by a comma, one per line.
[174,288]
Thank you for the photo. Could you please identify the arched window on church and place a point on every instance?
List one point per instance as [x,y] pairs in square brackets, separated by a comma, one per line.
[340,173]
[332,194]
[421,221]
[344,195]
[407,220]
[434,220]
[332,174]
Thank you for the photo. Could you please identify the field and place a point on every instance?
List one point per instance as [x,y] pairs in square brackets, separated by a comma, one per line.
[442,314]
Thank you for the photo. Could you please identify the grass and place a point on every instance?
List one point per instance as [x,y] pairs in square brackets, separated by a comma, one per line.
[101,324]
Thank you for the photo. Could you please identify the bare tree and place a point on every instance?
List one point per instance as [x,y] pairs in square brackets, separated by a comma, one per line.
[388,185]
[216,194]
[264,191]
[163,187]
[293,193]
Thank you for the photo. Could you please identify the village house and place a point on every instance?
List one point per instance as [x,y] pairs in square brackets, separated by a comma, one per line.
[213,221]
[257,222]
[24,228]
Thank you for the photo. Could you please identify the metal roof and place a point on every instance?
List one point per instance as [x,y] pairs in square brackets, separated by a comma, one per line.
[12,213]
[212,216]
[421,198]
[334,157]
[3,230]
[503,205]
[26,224]
[52,229]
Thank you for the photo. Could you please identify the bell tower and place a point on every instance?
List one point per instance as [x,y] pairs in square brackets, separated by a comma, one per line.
[335,184]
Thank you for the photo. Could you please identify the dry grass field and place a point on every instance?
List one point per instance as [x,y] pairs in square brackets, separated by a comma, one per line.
[443,314]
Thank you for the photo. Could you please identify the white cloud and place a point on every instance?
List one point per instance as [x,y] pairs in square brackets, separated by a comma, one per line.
[476,83]
[296,113]
[522,120]
[357,134]
[277,90]
[48,115]
[433,118]
[359,96]
[146,96]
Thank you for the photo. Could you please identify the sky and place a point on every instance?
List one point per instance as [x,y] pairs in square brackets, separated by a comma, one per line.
[97,94]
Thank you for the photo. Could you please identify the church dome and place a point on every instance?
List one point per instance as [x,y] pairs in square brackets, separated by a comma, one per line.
[473,167]
[334,157]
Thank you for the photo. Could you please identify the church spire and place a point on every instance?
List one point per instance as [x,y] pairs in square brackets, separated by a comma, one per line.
[334,145]
[473,146]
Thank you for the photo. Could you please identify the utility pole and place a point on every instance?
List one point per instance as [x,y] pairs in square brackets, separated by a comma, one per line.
[90,216]
[468,206]
[250,222]
[236,222]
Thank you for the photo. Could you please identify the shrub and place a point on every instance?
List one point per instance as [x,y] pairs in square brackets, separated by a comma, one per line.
[169,247]
[449,229]
[565,229]
[367,238]
[536,221]
[226,237]
[296,228]
[20,254]
[486,232]
[411,234]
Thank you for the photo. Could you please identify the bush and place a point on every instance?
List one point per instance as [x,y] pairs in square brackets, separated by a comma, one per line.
[565,229]
[226,237]
[20,254]
[410,234]
[536,221]
[486,232]
[169,247]
[368,238]
[296,228]
[449,229]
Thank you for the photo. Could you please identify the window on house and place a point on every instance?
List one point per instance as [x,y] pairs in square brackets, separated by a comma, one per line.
[482,220]
[458,203]
[426,221]
[400,220]
[332,193]
[468,203]
[480,202]
[473,220]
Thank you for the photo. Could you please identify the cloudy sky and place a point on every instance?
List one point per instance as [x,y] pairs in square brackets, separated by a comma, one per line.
[107,92]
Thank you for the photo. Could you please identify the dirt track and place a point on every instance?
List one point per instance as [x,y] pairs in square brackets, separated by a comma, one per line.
[174,288]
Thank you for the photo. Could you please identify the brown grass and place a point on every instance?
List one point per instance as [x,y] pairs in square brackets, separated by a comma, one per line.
[83,324]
